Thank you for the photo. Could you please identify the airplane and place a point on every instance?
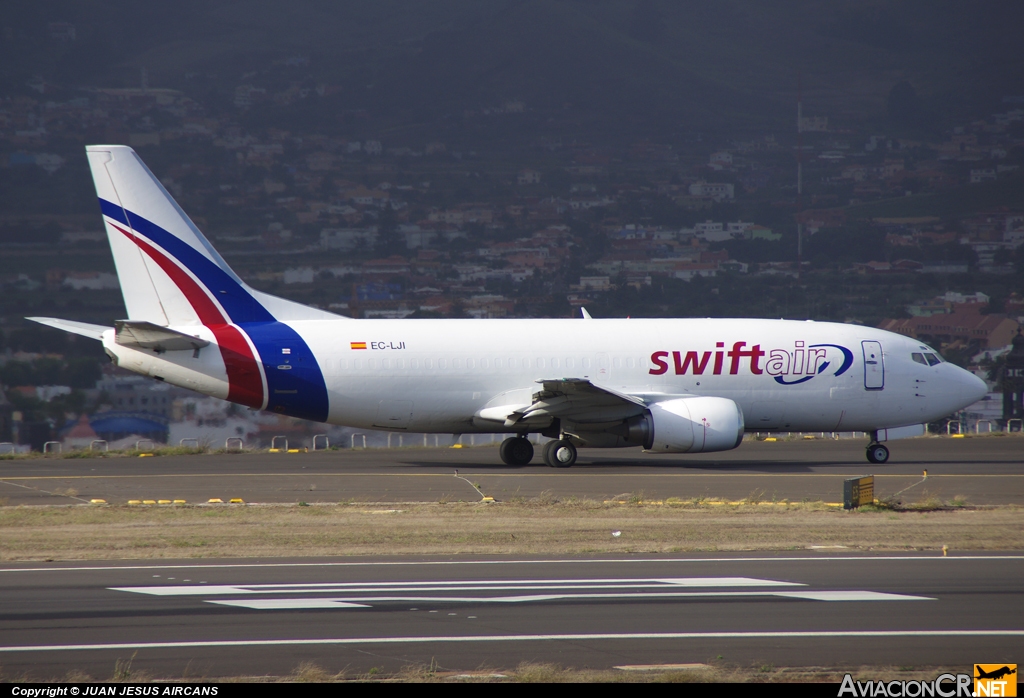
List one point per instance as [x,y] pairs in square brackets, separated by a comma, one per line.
[994,674]
[664,385]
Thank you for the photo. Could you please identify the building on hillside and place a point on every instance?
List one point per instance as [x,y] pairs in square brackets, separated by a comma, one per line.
[964,327]
[81,434]
[714,191]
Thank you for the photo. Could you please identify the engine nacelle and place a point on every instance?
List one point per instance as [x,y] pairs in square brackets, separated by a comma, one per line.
[693,425]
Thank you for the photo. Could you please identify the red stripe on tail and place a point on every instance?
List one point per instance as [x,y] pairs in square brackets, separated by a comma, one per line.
[245,384]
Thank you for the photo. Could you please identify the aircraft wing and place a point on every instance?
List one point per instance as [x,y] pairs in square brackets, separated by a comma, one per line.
[146,335]
[575,399]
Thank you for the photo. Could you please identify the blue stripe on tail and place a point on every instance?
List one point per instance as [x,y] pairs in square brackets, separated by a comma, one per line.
[297,391]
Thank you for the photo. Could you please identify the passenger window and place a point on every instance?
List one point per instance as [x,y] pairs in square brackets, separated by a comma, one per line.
[616,363]
[554,363]
[412,363]
[498,363]
[568,363]
[483,363]
[371,364]
[932,359]
[919,358]
[629,362]
[385,363]
[428,363]
[585,362]
[456,364]
[399,363]
[511,363]
[540,363]
[442,363]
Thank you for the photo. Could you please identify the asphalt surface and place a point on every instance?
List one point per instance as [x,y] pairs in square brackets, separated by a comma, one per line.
[246,618]
[980,470]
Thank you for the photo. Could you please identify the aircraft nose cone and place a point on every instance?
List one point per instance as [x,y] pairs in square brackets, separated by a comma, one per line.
[974,388]
[964,387]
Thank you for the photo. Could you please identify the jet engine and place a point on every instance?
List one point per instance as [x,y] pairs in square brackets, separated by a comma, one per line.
[689,425]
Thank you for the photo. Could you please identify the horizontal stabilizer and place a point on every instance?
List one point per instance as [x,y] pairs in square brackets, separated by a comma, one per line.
[138,334]
[82,328]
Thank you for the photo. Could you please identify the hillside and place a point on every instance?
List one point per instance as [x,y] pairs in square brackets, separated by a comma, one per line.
[612,65]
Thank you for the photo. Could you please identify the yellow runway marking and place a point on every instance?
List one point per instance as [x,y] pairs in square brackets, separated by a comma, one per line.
[485,474]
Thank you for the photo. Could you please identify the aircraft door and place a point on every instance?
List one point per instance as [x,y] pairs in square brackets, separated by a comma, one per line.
[874,366]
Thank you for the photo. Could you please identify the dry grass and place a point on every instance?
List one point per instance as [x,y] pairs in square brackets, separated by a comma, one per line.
[523,527]
[713,672]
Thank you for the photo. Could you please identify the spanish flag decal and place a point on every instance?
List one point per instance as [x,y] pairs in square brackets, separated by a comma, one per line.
[357,345]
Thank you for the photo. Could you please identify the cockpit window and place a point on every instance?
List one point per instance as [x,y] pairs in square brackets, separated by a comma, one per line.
[919,358]
[932,359]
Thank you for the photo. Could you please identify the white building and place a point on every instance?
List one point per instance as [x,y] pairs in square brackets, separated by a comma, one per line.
[713,190]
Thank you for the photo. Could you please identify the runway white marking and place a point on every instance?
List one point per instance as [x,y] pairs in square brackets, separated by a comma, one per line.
[811,634]
[850,596]
[291,604]
[452,563]
[365,601]
[453,592]
[478,585]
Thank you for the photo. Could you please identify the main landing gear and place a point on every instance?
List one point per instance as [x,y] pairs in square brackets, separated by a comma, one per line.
[516,451]
[877,453]
[559,453]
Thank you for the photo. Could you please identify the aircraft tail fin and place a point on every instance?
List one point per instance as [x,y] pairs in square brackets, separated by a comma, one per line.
[169,272]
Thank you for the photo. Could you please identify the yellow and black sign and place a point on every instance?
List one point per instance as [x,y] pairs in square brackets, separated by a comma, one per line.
[858,491]
[995,680]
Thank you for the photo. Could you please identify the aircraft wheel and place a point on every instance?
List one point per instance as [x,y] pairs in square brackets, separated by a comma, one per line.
[877,453]
[516,451]
[559,454]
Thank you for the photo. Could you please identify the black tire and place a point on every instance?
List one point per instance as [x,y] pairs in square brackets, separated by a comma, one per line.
[560,454]
[877,453]
[546,453]
[516,451]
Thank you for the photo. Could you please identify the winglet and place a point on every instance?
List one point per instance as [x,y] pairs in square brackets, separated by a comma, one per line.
[586,315]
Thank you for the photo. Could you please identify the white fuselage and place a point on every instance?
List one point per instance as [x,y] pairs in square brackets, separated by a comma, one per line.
[438,375]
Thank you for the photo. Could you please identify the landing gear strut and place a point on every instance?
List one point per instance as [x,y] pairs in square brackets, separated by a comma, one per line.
[559,453]
[516,450]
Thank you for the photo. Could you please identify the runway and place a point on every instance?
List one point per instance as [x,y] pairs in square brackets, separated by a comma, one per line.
[231,618]
[980,470]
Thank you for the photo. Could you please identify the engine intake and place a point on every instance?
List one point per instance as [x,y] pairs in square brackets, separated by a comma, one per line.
[691,425]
